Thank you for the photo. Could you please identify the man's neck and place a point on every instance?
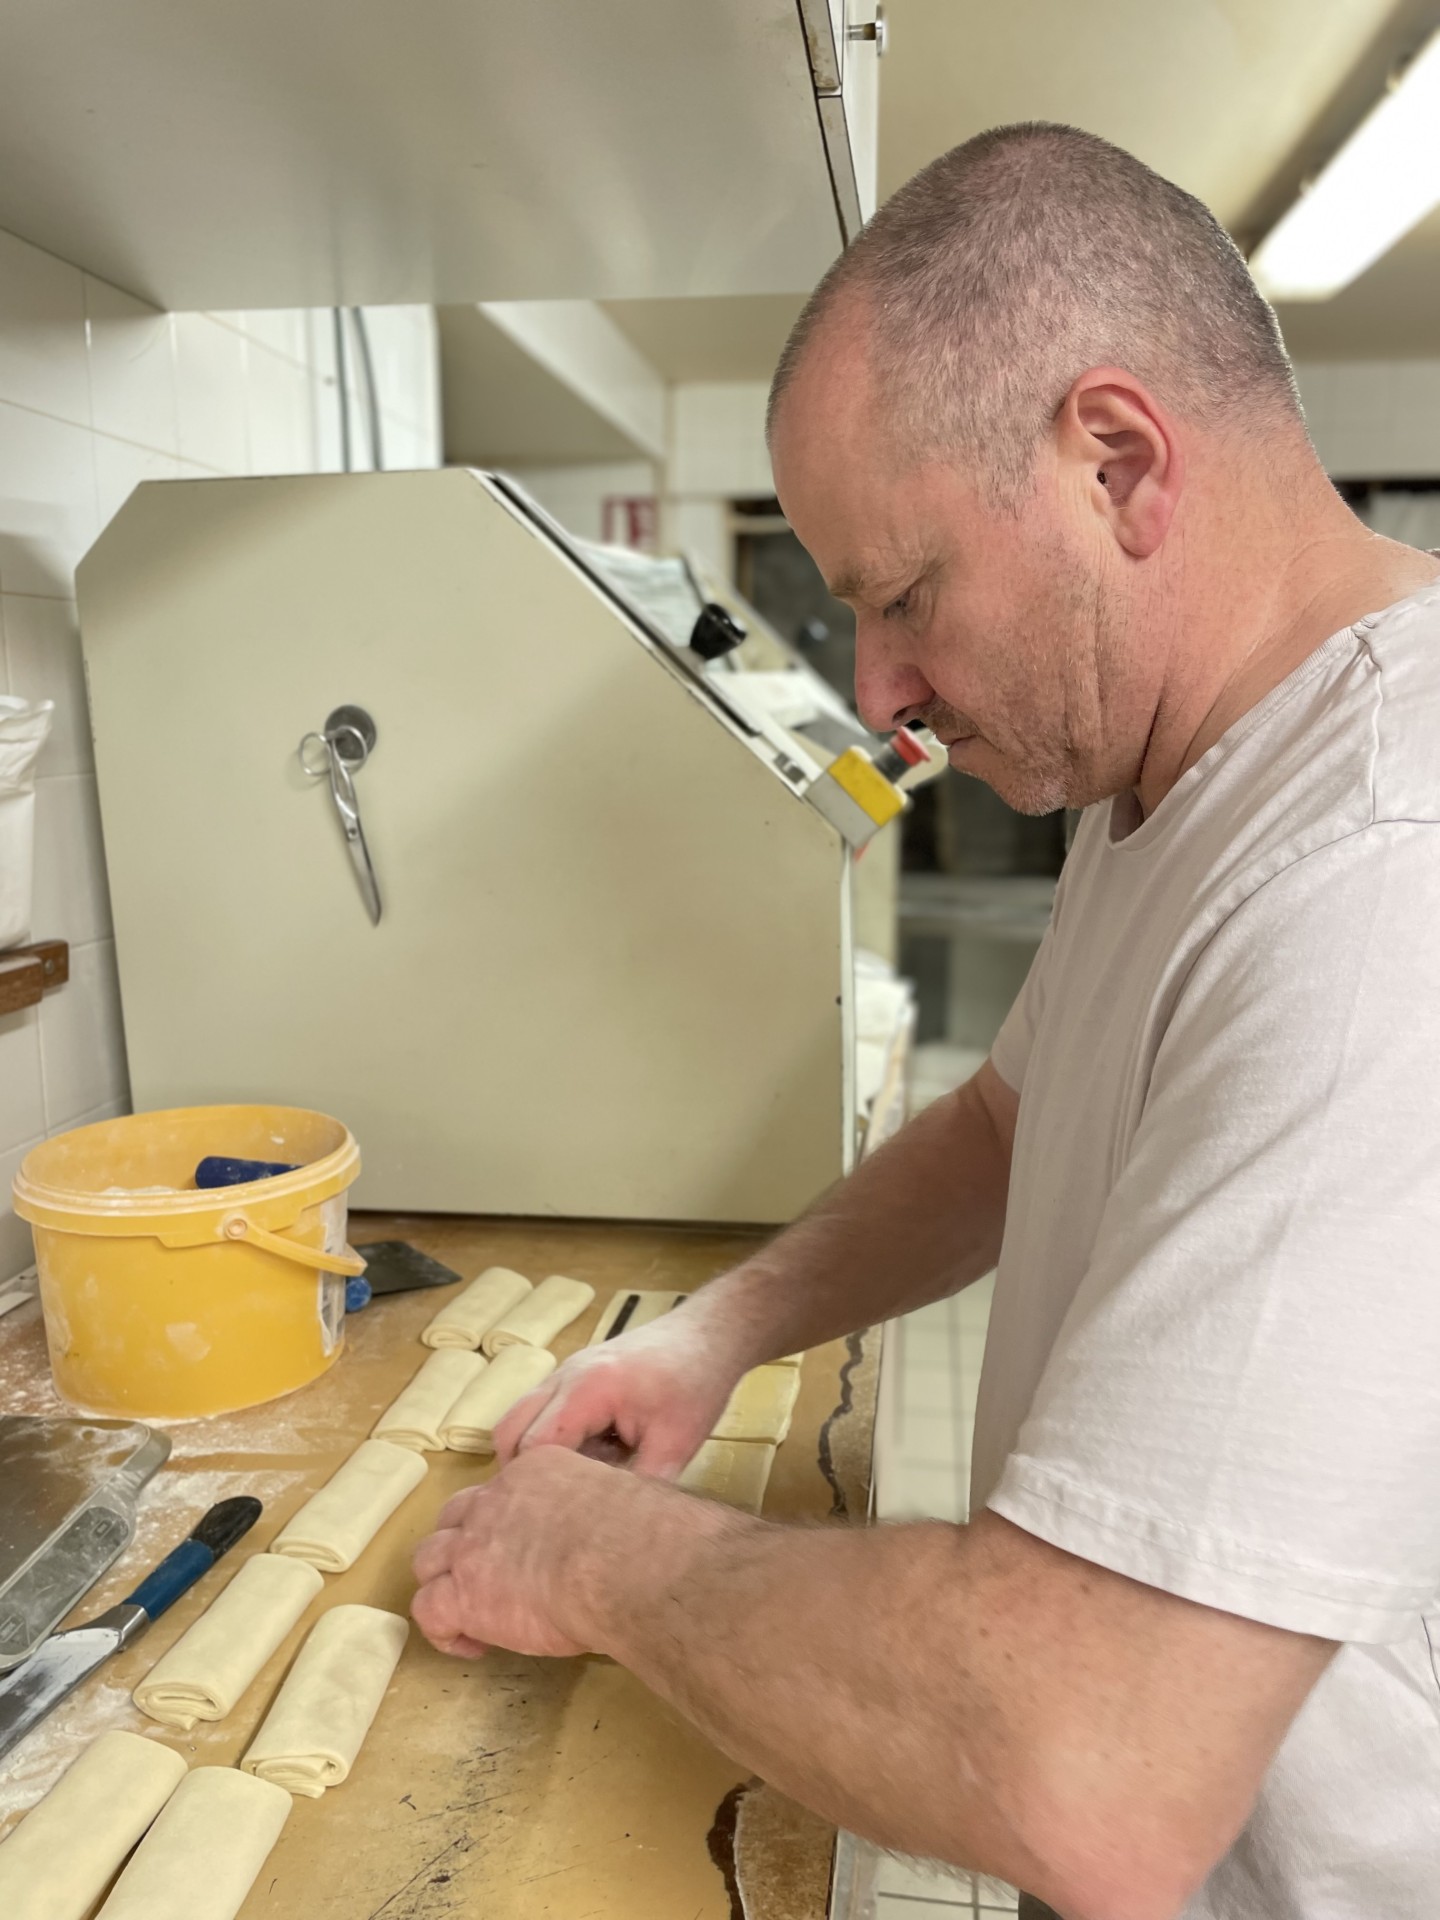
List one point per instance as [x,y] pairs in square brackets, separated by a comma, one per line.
[1298,582]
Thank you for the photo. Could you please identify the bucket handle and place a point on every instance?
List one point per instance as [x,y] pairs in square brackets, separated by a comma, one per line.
[239,1226]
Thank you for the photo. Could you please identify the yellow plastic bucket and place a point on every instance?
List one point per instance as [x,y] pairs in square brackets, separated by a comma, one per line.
[164,1302]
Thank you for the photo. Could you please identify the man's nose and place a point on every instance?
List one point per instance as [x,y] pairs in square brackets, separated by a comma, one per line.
[889,690]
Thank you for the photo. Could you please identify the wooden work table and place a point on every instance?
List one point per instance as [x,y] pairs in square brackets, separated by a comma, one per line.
[509,1787]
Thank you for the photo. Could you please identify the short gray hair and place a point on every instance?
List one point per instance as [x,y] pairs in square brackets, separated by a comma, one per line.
[996,276]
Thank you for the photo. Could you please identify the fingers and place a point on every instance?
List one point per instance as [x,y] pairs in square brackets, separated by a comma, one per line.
[464,1648]
[435,1555]
[456,1510]
[666,1448]
[513,1427]
[574,1416]
[436,1611]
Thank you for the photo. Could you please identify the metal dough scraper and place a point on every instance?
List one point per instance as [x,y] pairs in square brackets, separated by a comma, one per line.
[67,1510]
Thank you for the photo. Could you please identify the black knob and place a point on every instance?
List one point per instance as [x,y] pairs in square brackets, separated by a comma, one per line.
[715,632]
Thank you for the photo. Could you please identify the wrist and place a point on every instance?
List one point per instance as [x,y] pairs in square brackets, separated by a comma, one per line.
[738,1313]
[643,1542]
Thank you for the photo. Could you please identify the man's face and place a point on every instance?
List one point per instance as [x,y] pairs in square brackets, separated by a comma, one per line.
[1002,632]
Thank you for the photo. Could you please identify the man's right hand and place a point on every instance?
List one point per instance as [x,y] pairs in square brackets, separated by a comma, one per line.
[662,1388]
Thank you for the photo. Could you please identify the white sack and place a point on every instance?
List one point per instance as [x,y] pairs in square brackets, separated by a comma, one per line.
[24,729]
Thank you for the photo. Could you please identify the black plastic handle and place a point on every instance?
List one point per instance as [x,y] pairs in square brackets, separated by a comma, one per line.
[226,1522]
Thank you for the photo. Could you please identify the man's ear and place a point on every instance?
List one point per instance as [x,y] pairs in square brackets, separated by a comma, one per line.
[1122,446]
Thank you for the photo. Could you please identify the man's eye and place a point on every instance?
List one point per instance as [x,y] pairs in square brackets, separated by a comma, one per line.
[898,606]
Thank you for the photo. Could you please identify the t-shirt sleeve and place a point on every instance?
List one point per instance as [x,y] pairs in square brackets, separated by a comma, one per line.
[1010,1052]
[1243,1405]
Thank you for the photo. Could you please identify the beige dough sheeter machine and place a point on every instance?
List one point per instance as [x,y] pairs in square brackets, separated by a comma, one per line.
[611,974]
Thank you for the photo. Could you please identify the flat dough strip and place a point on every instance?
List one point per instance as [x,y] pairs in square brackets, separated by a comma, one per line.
[64,1853]
[311,1735]
[548,1310]
[470,1424]
[204,1853]
[648,1306]
[209,1667]
[735,1471]
[761,1406]
[335,1525]
[418,1416]
[462,1321]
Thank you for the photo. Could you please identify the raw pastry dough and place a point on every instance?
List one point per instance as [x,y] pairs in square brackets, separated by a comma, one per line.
[204,1853]
[461,1321]
[213,1662]
[417,1417]
[64,1853]
[648,1306]
[311,1735]
[470,1424]
[335,1525]
[735,1471]
[548,1310]
[761,1406]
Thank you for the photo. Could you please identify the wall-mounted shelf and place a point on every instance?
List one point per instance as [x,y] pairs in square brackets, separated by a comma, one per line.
[28,973]
[344,151]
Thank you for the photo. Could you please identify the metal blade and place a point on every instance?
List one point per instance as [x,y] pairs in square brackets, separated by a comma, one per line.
[55,1670]
[365,872]
[347,805]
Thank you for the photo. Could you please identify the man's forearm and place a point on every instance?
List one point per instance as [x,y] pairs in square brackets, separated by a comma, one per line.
[830,1661]
[919,1220]
[968,1693]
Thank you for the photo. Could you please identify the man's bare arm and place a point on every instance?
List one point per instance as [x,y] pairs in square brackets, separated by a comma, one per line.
[971,1694]
[920,1219]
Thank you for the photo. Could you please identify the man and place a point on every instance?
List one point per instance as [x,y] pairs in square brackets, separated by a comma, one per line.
[1037,426]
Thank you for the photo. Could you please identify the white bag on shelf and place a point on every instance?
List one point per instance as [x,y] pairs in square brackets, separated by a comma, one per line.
[24,729]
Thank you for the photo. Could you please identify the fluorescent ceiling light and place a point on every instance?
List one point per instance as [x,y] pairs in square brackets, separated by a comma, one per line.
[1383,181]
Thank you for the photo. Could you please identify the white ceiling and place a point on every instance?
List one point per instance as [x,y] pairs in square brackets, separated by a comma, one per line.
[1235,99]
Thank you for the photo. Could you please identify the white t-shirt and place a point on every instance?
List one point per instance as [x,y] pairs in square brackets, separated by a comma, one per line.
[1214,1354]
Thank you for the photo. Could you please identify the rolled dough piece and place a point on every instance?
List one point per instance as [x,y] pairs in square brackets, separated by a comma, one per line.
[470,1424]
[416,1418]
[334,1526]
[213,1662]
[761,1406]
[462,1321]
[311,1735]
[64,1853]
[205,1852]
[546,1311]
[735,1471]
[648,1306]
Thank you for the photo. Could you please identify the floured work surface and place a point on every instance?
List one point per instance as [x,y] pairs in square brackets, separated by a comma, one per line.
[521,1789]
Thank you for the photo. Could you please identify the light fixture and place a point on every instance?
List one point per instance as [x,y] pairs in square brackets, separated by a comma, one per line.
[1384,180]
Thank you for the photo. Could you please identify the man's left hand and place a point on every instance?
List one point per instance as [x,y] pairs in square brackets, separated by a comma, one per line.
[512,1562]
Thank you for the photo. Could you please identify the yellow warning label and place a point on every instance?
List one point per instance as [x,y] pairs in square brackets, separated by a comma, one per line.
[866,785]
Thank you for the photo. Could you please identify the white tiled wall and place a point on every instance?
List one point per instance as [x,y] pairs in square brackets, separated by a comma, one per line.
[99,392]
[1374,419]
